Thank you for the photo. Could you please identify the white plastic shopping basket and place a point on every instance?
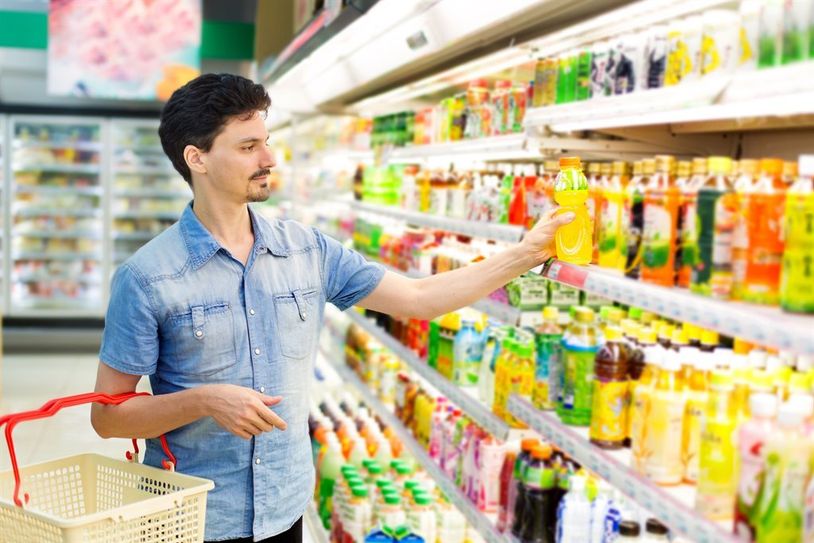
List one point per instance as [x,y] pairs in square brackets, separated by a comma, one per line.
[90,498]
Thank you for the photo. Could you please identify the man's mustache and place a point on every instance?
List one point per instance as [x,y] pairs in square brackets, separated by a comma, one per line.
[260,173]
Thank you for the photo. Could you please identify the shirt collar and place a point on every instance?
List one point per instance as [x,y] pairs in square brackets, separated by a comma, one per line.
[201,245]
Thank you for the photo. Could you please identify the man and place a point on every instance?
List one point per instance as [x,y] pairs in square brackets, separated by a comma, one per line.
[223,310]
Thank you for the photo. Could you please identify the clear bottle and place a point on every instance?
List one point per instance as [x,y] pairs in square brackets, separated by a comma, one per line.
[641,398]
[717,480]
[466,359]
[697,398]
[574,515]
[548,338]
[665,423]
[580,345]
[610,392]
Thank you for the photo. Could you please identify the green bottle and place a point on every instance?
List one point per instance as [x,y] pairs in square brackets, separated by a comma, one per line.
[567,79]
[583,76]
[580,343]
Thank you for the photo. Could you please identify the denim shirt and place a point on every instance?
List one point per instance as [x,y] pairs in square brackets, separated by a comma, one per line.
[185,312]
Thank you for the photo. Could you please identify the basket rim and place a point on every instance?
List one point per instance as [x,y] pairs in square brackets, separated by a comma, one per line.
[148,506]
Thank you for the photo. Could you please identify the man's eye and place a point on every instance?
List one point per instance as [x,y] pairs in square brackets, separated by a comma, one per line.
[249,148]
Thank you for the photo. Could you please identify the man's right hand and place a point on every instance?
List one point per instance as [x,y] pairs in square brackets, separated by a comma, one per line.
[243,411]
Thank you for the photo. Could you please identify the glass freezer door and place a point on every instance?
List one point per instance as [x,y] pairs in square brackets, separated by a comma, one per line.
[148,195]
[56,219]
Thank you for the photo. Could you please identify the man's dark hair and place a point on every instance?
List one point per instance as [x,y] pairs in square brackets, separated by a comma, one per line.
[197,112]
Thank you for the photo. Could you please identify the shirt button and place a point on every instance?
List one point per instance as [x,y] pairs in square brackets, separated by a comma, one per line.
[251,311]
[257,461]
[262,389]
[257,351]
[198,333]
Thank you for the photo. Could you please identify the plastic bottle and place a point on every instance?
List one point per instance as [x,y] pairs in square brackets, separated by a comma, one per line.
[539,480]
[797,281]
[608,413]
[491,352]
[605,515]
[779,505]
[574,241]
[797,18]
[489,462]
[520,494]
[717,479]
[574,515]
[421,519]
[580,345]
[697,397]
[641,395]
[548,338]
[665,421]
[660,225]
[752,438]
[466,360]
[633,215]
[687,200]
[611,237]
[764,208]
[504,515]
[747,174]
[451,524]
[329,472]
[436,432]
[503,372]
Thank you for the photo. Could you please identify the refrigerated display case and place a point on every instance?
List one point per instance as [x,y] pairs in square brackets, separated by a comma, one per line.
[147,194]
[56,193]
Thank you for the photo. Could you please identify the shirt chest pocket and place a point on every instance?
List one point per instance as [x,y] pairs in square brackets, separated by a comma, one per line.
[203,339]
[297,322]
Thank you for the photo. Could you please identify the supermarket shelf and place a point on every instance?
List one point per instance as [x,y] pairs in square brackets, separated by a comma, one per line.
[78,145]
[138,148]
[673,506]
[43,307]
[151,193]
[779,92]
[499,232]
[479,413]
[500,311]
[66,256]
[145,170]
[477,519]
[160,215]
[56,234]
[509,147]
[314,525]
[134,236]
[758,324]
[58,191]
[46,277]
[91,169]
[55,212]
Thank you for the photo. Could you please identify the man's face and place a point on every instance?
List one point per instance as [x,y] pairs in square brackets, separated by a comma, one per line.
[239,162]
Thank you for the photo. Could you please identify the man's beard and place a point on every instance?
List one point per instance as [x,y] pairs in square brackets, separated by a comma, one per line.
[257,193]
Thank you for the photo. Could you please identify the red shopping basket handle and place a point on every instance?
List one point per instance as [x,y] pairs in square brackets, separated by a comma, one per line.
[50,408]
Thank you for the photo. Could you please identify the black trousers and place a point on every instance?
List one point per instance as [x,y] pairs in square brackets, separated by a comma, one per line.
[292,535]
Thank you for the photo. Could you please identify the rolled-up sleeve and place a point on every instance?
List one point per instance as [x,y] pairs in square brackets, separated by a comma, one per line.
[346,275]
[130,338]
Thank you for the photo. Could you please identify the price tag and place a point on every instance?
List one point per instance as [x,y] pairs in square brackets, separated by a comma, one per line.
[567,274]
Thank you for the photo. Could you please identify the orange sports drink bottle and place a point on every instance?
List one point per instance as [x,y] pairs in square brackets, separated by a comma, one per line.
[574,241]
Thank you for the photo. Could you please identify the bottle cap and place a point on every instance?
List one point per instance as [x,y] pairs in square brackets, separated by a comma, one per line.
[374,468]
[422,499]
[635,313]
[665,163]
[799,382]
[762,380]
[551,313]
[710,338]
[805,166]
[359,491]
[790,169]
[367,462]
[620,168]
[647,317]
[748,166]
[384,483]
[763,405]
[693,332]
[630,328]
[804,403]
[570,162]
[741,346]
[528,444]
[392,499]
[541,452]
[699,166]
[647,336]
[771,166]
[616,315]
[584,314]
[666,330]
[629,528]
[655,527]
[412,484]
[678,337]
[613,333]
[720,165]
[604,311]
[593,167]
[348,469]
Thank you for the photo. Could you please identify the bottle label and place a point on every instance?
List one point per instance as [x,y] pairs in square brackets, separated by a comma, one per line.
[696,403]
[658,236]
[549,352]
[577,394]
[717,481]
[608,414]
[797,288]
[640,412]
[610,240]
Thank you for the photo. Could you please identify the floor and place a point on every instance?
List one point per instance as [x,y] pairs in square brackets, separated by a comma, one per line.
[27,382]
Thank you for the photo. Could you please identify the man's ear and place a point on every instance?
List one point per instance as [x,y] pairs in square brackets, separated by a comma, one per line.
[194,158]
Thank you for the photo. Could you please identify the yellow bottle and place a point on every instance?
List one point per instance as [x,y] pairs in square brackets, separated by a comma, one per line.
[503,378]
[717,475]
[797,280]
[697,396]
[640,395]
[611,239]
[574,241]
[665,423]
